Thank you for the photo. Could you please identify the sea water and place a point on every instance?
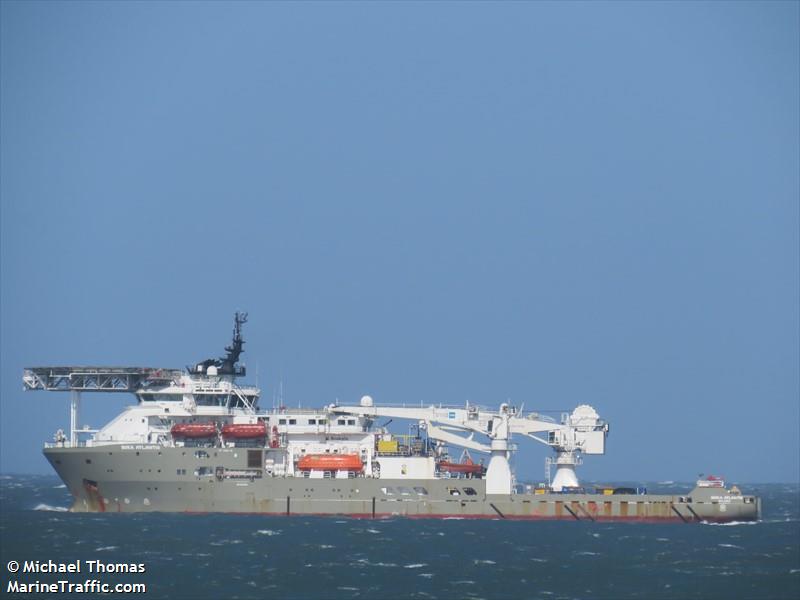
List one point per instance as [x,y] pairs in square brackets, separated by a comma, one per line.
[250,556]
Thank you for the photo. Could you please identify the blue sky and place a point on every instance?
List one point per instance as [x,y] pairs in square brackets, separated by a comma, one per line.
[550,203]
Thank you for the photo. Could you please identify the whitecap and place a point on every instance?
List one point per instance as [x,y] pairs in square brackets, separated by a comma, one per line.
[733,523]
[662,539]
[105,548]
[464,582]
[426,575]
[484,562]
[51,508]
[730,546]
[415,566]
[587,553]
[268,532]
[59,487]
[373,531]
[539,560]
[325,546]
[347,589]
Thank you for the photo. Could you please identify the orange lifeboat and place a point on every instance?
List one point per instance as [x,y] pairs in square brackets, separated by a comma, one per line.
[468,467]
[330,462]
[244,431]
[194,430]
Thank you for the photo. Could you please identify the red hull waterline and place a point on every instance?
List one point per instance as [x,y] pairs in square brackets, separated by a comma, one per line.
[458,517]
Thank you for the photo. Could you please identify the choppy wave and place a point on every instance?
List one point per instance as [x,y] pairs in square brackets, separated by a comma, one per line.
[269,532]
[49,507]
[320,558]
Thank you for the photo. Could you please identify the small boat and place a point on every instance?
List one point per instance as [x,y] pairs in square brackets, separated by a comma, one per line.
[194,430]
[330,462]
[468,467]
[244,431]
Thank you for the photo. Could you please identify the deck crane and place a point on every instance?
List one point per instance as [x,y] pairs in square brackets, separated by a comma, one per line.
[580,432]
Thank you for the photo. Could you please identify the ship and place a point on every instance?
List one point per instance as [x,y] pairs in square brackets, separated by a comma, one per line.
[196,441]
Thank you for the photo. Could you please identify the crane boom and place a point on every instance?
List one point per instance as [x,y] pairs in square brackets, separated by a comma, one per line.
[582,431]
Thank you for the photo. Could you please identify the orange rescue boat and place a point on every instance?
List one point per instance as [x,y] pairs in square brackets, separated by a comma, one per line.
[244,431]
[194,430]
[467,467]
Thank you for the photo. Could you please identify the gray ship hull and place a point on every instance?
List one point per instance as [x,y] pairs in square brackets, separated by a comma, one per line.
[150,478]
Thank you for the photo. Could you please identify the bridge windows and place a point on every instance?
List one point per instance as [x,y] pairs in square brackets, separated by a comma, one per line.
[152,397]
[211,399]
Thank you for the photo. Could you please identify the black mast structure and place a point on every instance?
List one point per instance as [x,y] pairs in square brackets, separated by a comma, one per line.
[226,365]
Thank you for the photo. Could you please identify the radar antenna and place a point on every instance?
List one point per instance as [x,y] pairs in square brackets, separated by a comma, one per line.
[227,365]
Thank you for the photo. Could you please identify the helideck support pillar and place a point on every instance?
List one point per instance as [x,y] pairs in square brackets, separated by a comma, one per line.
[74,415]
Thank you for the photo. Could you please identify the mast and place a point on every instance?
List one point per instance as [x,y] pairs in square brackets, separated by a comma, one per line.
[227,365]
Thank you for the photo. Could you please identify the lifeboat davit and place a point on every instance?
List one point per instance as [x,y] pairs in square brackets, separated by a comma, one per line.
[194,430]
[330,462]
[244,431]
[467,467]
[275,441]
